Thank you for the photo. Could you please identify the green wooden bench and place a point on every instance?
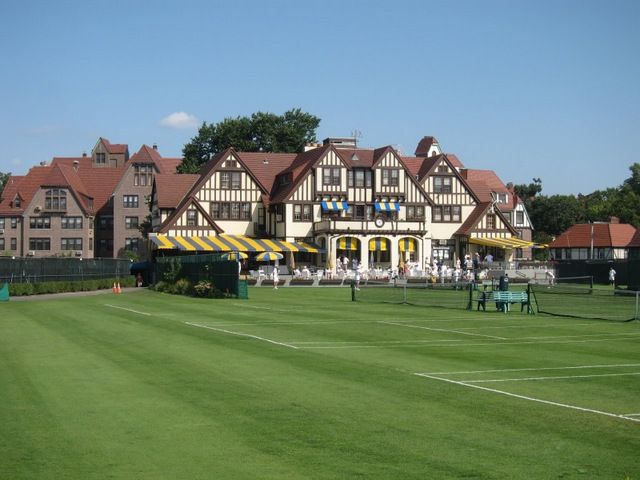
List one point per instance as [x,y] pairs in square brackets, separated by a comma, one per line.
[505,299]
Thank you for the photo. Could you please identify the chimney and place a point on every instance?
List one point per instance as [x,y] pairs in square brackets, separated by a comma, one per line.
[76,164]
[463,173]
[155,146]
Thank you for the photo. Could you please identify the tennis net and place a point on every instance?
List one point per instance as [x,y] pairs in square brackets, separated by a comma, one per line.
[584,281]
[585,302]
[448,295]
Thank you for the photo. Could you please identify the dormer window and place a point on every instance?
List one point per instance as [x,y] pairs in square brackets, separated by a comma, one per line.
[501,197]
[101,158]
[17,202]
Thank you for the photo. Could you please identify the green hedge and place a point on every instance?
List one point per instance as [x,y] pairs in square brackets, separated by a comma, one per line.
[21,289]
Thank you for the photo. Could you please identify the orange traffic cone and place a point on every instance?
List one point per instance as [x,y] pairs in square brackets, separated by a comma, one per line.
[118,290]
[114,289]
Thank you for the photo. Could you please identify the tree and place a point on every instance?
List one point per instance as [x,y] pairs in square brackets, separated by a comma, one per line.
[262,132]
[4,178]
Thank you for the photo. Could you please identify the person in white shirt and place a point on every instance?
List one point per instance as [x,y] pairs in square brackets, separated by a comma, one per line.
[276,278]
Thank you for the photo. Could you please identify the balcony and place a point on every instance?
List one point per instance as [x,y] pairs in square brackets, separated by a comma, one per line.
[370,227]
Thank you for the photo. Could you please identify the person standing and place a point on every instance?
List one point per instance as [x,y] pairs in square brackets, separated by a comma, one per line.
[345,263]
[276,278]
[612,277]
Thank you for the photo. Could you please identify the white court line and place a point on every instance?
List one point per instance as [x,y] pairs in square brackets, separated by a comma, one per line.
[127,309]
[555,325]
[531,399]
[486,344]
[242,335]
[632,414]
[404,342]
[536,369]
[550,378]
[444,330]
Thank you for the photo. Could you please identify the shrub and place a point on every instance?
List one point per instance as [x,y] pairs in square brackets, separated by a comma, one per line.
[203,289]
[183,287]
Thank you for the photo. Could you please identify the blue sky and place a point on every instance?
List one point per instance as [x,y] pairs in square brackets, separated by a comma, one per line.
[545,89]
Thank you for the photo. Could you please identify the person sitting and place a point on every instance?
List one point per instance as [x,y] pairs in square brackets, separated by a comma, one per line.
[296,273]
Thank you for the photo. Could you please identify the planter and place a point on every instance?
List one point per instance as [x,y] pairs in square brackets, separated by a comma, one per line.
[296,281]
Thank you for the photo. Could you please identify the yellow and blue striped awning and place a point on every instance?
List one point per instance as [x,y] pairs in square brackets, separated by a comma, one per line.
[387,206]
[378,244]
[501,242]
[348,243]
[230,243]
[334,205]
[407,244]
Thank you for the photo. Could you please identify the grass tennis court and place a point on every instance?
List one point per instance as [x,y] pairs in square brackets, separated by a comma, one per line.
[303,383]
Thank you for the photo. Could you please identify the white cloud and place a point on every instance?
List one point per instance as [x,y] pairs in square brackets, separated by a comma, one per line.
[180,120]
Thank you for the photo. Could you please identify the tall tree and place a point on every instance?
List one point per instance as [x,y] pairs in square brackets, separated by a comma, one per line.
[262,132]
[4,178]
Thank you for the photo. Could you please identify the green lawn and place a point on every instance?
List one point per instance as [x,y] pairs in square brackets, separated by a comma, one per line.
[303,383]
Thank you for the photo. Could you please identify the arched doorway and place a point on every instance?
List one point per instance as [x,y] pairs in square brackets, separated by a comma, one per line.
[379,252]
[408,248]
[349,248]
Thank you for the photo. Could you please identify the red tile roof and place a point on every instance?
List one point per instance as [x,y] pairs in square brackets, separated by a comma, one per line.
[8,194]
[115,148]
[617,235]
[455,161]
[422,150]
[171,188]
[150,155]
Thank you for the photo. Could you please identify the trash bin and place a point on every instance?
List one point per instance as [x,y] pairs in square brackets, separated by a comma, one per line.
[503,286]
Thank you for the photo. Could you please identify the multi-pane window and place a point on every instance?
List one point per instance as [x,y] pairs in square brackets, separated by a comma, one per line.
[415,212]
[14,244]
[105,244]
[331,176]
[230,180]
[245,212]
[101,158]
[360,212]
[442,169]
[17,202]
[442,184]
[131,243]
[105,223]
[39,244]
[501,197]
[390,177]
[71,223]
[447,213]
[131,223]
[70,244]
[1,243]
[130,201]
[192,218]
[55,199]
[1,223]
[491,221]
[519,218]
[231,210]
[302,213]
[143,175]
[359,177]
[14,222]
[40,222]
[231,163]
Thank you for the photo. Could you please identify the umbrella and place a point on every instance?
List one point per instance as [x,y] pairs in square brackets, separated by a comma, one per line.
[268,256]
[234,256]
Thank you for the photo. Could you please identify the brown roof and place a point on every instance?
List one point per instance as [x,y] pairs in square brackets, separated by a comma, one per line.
[8,194]
[171,188]
[455,161]
[620,235]
[150,155]
[115,148]
[422,150]
[473,218]
[484,182]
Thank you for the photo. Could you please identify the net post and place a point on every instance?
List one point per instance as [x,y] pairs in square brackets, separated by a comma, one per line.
[470,302]
[404,293]
[353,292]
[636,312]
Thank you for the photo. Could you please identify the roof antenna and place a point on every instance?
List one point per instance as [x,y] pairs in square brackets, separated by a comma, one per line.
[356,134]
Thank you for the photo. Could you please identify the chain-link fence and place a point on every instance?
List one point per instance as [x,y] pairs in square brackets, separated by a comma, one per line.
[38,270]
